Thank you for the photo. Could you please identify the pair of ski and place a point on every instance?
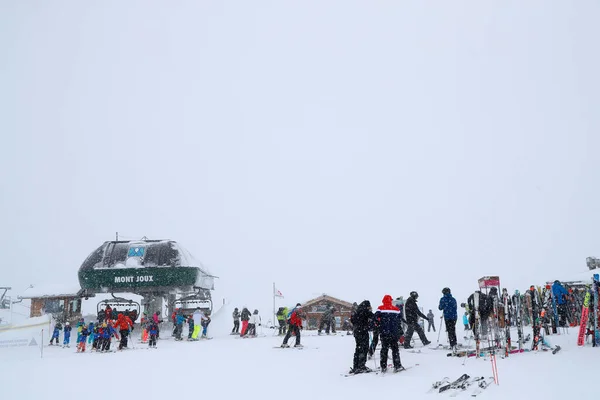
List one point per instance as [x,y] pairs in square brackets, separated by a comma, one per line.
[377,371]
[461,384]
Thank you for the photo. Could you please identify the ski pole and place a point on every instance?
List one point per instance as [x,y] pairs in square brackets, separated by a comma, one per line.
[440,329]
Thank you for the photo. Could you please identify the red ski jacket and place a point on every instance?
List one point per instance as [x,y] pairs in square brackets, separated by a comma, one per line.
[123,323]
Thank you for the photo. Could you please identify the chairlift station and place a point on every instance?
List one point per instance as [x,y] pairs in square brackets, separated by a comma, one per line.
[158,270]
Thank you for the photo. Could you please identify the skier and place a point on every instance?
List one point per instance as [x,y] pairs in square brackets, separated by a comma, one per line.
[56,333]
[448,306]
[91,332]
[198,319]
[236,321]
[253,322]
[204,324]
[281,319]
[152,332]
[191,327]
[466,321]
[327,320]
[294,326]
[123,324]
[156,319]
[560,295]
[67,335]
[412,319]
[430,321]
[389,331]
[108,312]
[82,339]
[399,302]
[179,320]
[107,333]
[375,325]
[101,316]
[361,320]
[245,317]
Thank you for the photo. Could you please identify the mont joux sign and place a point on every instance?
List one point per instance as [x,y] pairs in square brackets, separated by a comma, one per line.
[136,277]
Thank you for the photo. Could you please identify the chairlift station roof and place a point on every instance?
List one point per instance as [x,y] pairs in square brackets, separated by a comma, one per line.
[142,266]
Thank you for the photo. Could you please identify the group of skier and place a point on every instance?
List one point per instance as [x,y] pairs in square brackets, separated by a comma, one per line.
[99,334]
[249,322]
[197,323]
[387,325]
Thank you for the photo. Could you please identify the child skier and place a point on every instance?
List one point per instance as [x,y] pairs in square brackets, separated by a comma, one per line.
[107,333]
[67,335]
[153,333]
[56,333]
[91,332]
[82,339]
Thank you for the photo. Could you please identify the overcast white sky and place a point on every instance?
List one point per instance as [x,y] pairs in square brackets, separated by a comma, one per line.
[356,148]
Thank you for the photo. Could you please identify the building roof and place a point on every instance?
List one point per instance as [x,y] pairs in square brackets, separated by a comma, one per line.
[49,290]
[330,299]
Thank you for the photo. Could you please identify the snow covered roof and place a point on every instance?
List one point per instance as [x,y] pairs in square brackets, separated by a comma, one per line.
[577,277]
[325,297]
[49,290]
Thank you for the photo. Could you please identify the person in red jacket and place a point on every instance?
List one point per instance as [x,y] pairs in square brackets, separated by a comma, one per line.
[123,324]
[295,324]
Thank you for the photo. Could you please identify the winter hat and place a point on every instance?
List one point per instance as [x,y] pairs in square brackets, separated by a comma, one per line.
[299,305]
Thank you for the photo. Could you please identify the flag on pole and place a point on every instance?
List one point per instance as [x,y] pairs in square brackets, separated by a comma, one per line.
[278,293]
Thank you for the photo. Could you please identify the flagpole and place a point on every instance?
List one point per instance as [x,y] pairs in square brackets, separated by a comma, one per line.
[274,314]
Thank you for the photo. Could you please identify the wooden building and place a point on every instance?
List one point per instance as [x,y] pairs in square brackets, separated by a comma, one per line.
[64,303]
[315,308]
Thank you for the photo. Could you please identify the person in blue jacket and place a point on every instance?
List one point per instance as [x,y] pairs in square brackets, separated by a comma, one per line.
[560,295]
[67,335]
[56,333]
[466,321]
[448,306]
[179,320]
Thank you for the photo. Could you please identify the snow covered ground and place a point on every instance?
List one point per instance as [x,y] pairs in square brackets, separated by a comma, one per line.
[228,367]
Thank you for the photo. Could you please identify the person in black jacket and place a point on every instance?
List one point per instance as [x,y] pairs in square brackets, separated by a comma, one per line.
[361,321]
[236,321]
[245,317]
[413,313]
[327,320]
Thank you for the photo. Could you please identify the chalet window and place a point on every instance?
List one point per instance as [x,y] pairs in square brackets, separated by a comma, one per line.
[54,306]
[319,308]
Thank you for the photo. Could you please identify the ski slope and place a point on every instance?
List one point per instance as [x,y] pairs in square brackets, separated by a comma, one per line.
[229,367]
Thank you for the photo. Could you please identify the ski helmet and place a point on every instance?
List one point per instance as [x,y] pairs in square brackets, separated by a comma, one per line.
[446,290]
[414,295]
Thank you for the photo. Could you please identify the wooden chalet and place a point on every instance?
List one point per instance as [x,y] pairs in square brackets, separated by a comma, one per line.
[64,303]
[315,308]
